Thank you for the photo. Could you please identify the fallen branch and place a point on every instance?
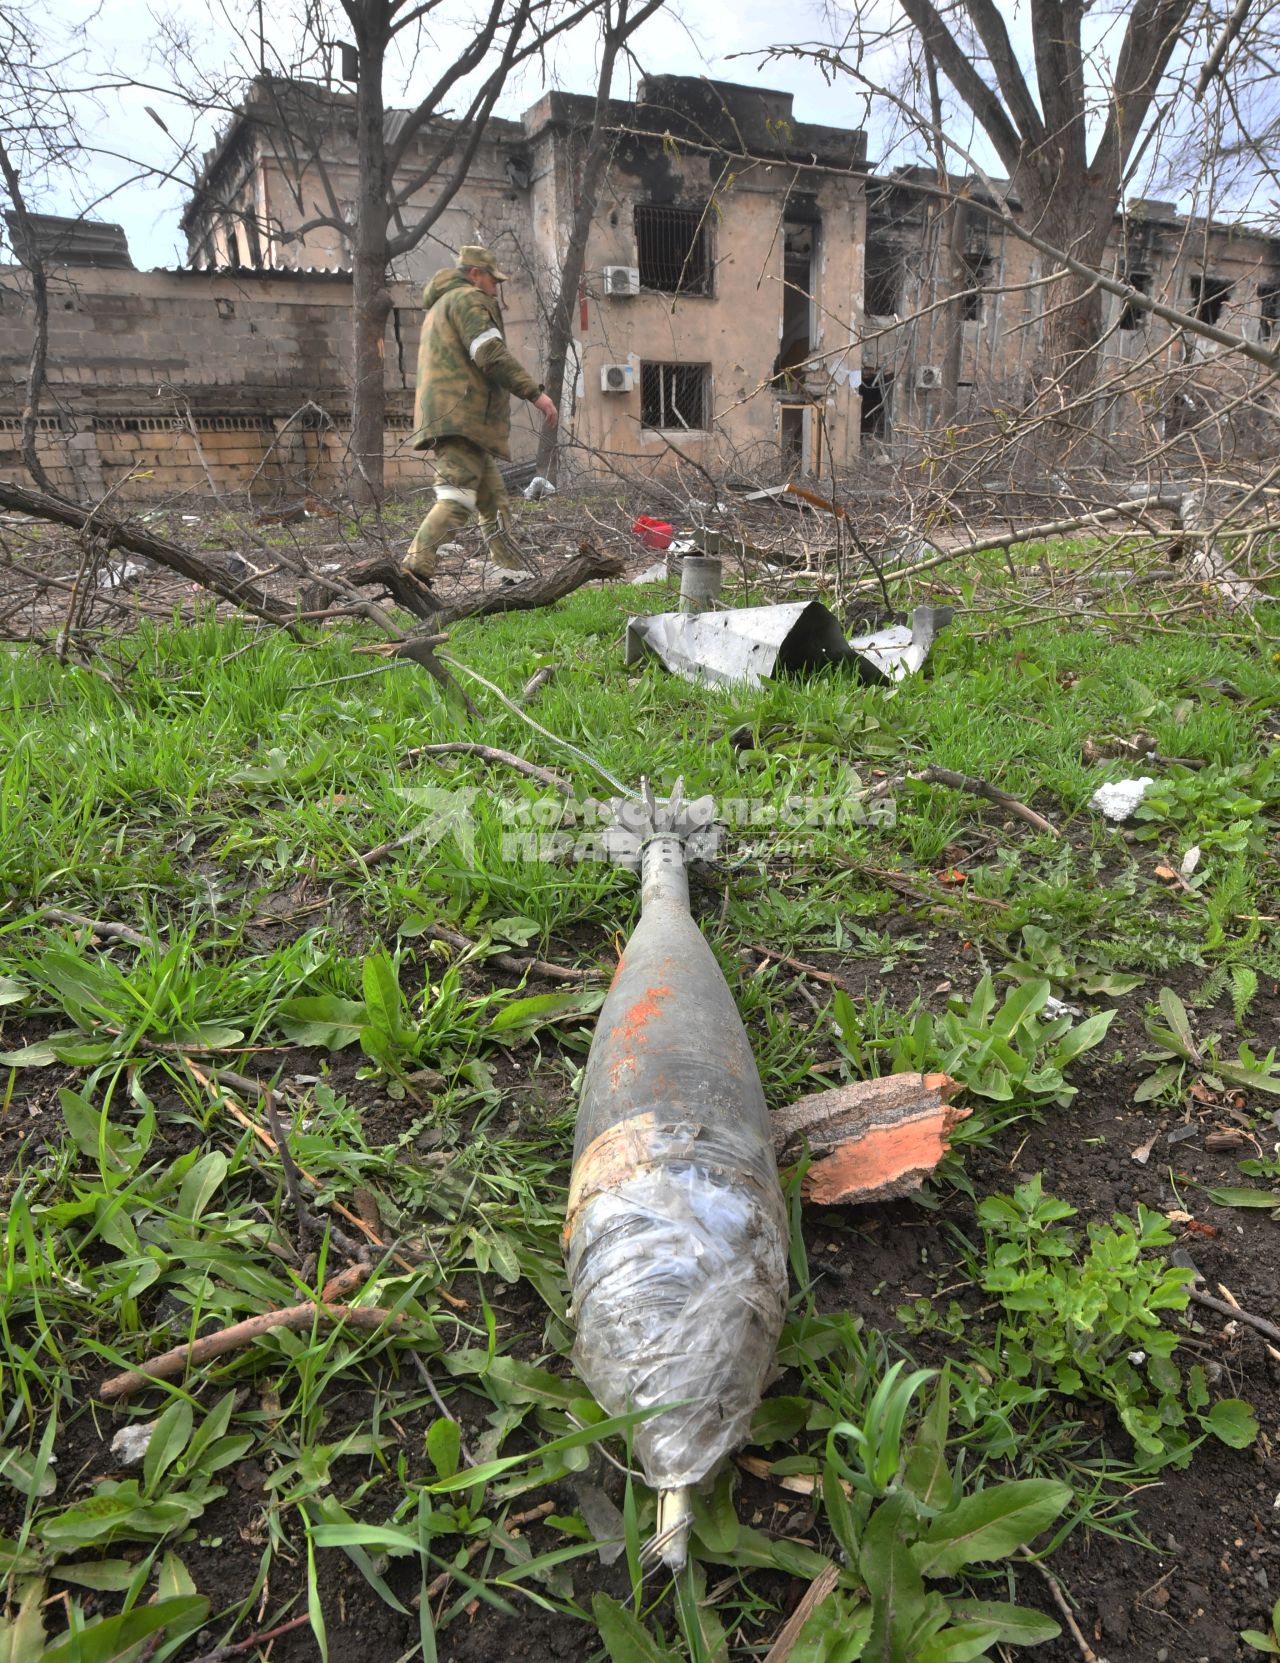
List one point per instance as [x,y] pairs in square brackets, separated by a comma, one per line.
[588,565]
[517,963]
[421,649]
[974,786]
[491,753]
[125,535]
[100,926]
[1028,534]
[873,1140]
[195,1352]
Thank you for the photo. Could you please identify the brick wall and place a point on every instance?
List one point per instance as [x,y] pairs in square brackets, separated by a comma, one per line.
[158,380]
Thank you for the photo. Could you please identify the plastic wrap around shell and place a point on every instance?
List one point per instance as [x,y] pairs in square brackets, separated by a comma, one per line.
[675,1238]
[679,1278]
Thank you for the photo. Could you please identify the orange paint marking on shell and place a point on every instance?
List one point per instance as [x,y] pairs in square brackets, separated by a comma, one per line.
[630,1031]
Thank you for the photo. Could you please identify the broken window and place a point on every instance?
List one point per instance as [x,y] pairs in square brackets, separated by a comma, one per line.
[1209,295]
[673,249]
[1131,316]
[1269,307]
[874,390]
[799,244]
[674,395]
[881,280]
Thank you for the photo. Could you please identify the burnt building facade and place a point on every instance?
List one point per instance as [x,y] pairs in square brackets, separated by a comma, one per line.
[753,299]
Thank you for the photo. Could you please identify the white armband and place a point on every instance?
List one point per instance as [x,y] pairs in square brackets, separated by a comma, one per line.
[481,340]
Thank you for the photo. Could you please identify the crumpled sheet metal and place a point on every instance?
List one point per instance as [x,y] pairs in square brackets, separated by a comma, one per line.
[745,644]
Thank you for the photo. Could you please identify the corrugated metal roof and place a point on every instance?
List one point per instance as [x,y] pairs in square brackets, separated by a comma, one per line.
[71,242]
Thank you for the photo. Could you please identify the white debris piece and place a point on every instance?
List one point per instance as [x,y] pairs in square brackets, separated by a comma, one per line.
[657,573]
[1120,798]
[131,1442]
[537,488]
[1055,1007]
[117,573]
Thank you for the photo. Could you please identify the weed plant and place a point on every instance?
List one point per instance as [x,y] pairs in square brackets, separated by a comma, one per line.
[255,814]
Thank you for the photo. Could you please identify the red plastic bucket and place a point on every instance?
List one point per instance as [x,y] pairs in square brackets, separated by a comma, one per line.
[654,534]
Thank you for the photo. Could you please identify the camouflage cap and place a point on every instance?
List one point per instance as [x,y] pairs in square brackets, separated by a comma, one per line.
[471,254]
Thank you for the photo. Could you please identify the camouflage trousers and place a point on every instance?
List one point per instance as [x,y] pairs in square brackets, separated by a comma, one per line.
[467,482]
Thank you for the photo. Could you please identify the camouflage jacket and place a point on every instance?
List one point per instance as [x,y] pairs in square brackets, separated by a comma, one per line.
[466,375]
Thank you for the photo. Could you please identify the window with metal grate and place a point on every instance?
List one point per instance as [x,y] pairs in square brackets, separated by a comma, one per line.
[673,249]
[674,395]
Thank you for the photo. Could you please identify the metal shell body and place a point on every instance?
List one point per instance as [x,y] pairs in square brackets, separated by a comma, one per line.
[675,1239]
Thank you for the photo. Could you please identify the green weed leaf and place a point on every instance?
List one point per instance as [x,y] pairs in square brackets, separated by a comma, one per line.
[322,1020]
[444,1446]
[109,1640]
[625,1637]
[990,1524]
[170,1437]
[1018,1624]
[893,1580]
[201,1184]
[522,1017]
[1232,1421]
[1245,1196]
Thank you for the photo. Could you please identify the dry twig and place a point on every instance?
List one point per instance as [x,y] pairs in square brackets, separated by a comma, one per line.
[220,1653]
[195,1352]
[517,963]
[818,1590]
[103,927]
[975,787]
[491,753]
[1060,1600]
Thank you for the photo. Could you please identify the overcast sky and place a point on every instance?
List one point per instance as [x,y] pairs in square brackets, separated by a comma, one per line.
[122,42]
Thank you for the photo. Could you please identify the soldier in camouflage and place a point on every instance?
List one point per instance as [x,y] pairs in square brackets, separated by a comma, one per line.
[466,377]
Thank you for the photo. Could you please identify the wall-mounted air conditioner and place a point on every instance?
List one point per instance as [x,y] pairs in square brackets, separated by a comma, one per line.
[617,378]
[928,377]
[621,280]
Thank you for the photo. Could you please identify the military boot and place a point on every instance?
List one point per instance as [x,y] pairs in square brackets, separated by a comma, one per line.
[500,550]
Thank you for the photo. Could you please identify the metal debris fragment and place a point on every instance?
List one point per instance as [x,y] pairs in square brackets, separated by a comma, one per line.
[746,644]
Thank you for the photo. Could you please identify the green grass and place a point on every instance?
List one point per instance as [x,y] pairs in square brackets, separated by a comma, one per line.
[220,801]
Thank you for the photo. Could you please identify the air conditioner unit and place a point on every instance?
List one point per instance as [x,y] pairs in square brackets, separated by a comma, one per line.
[617,378]
[621,280]
[928,377]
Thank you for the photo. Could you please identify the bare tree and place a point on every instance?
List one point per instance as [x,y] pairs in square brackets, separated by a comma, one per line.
[619,21]
[37,135]
[408,174]
[1073,136]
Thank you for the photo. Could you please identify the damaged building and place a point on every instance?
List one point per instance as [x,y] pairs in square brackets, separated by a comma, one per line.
[753,299]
